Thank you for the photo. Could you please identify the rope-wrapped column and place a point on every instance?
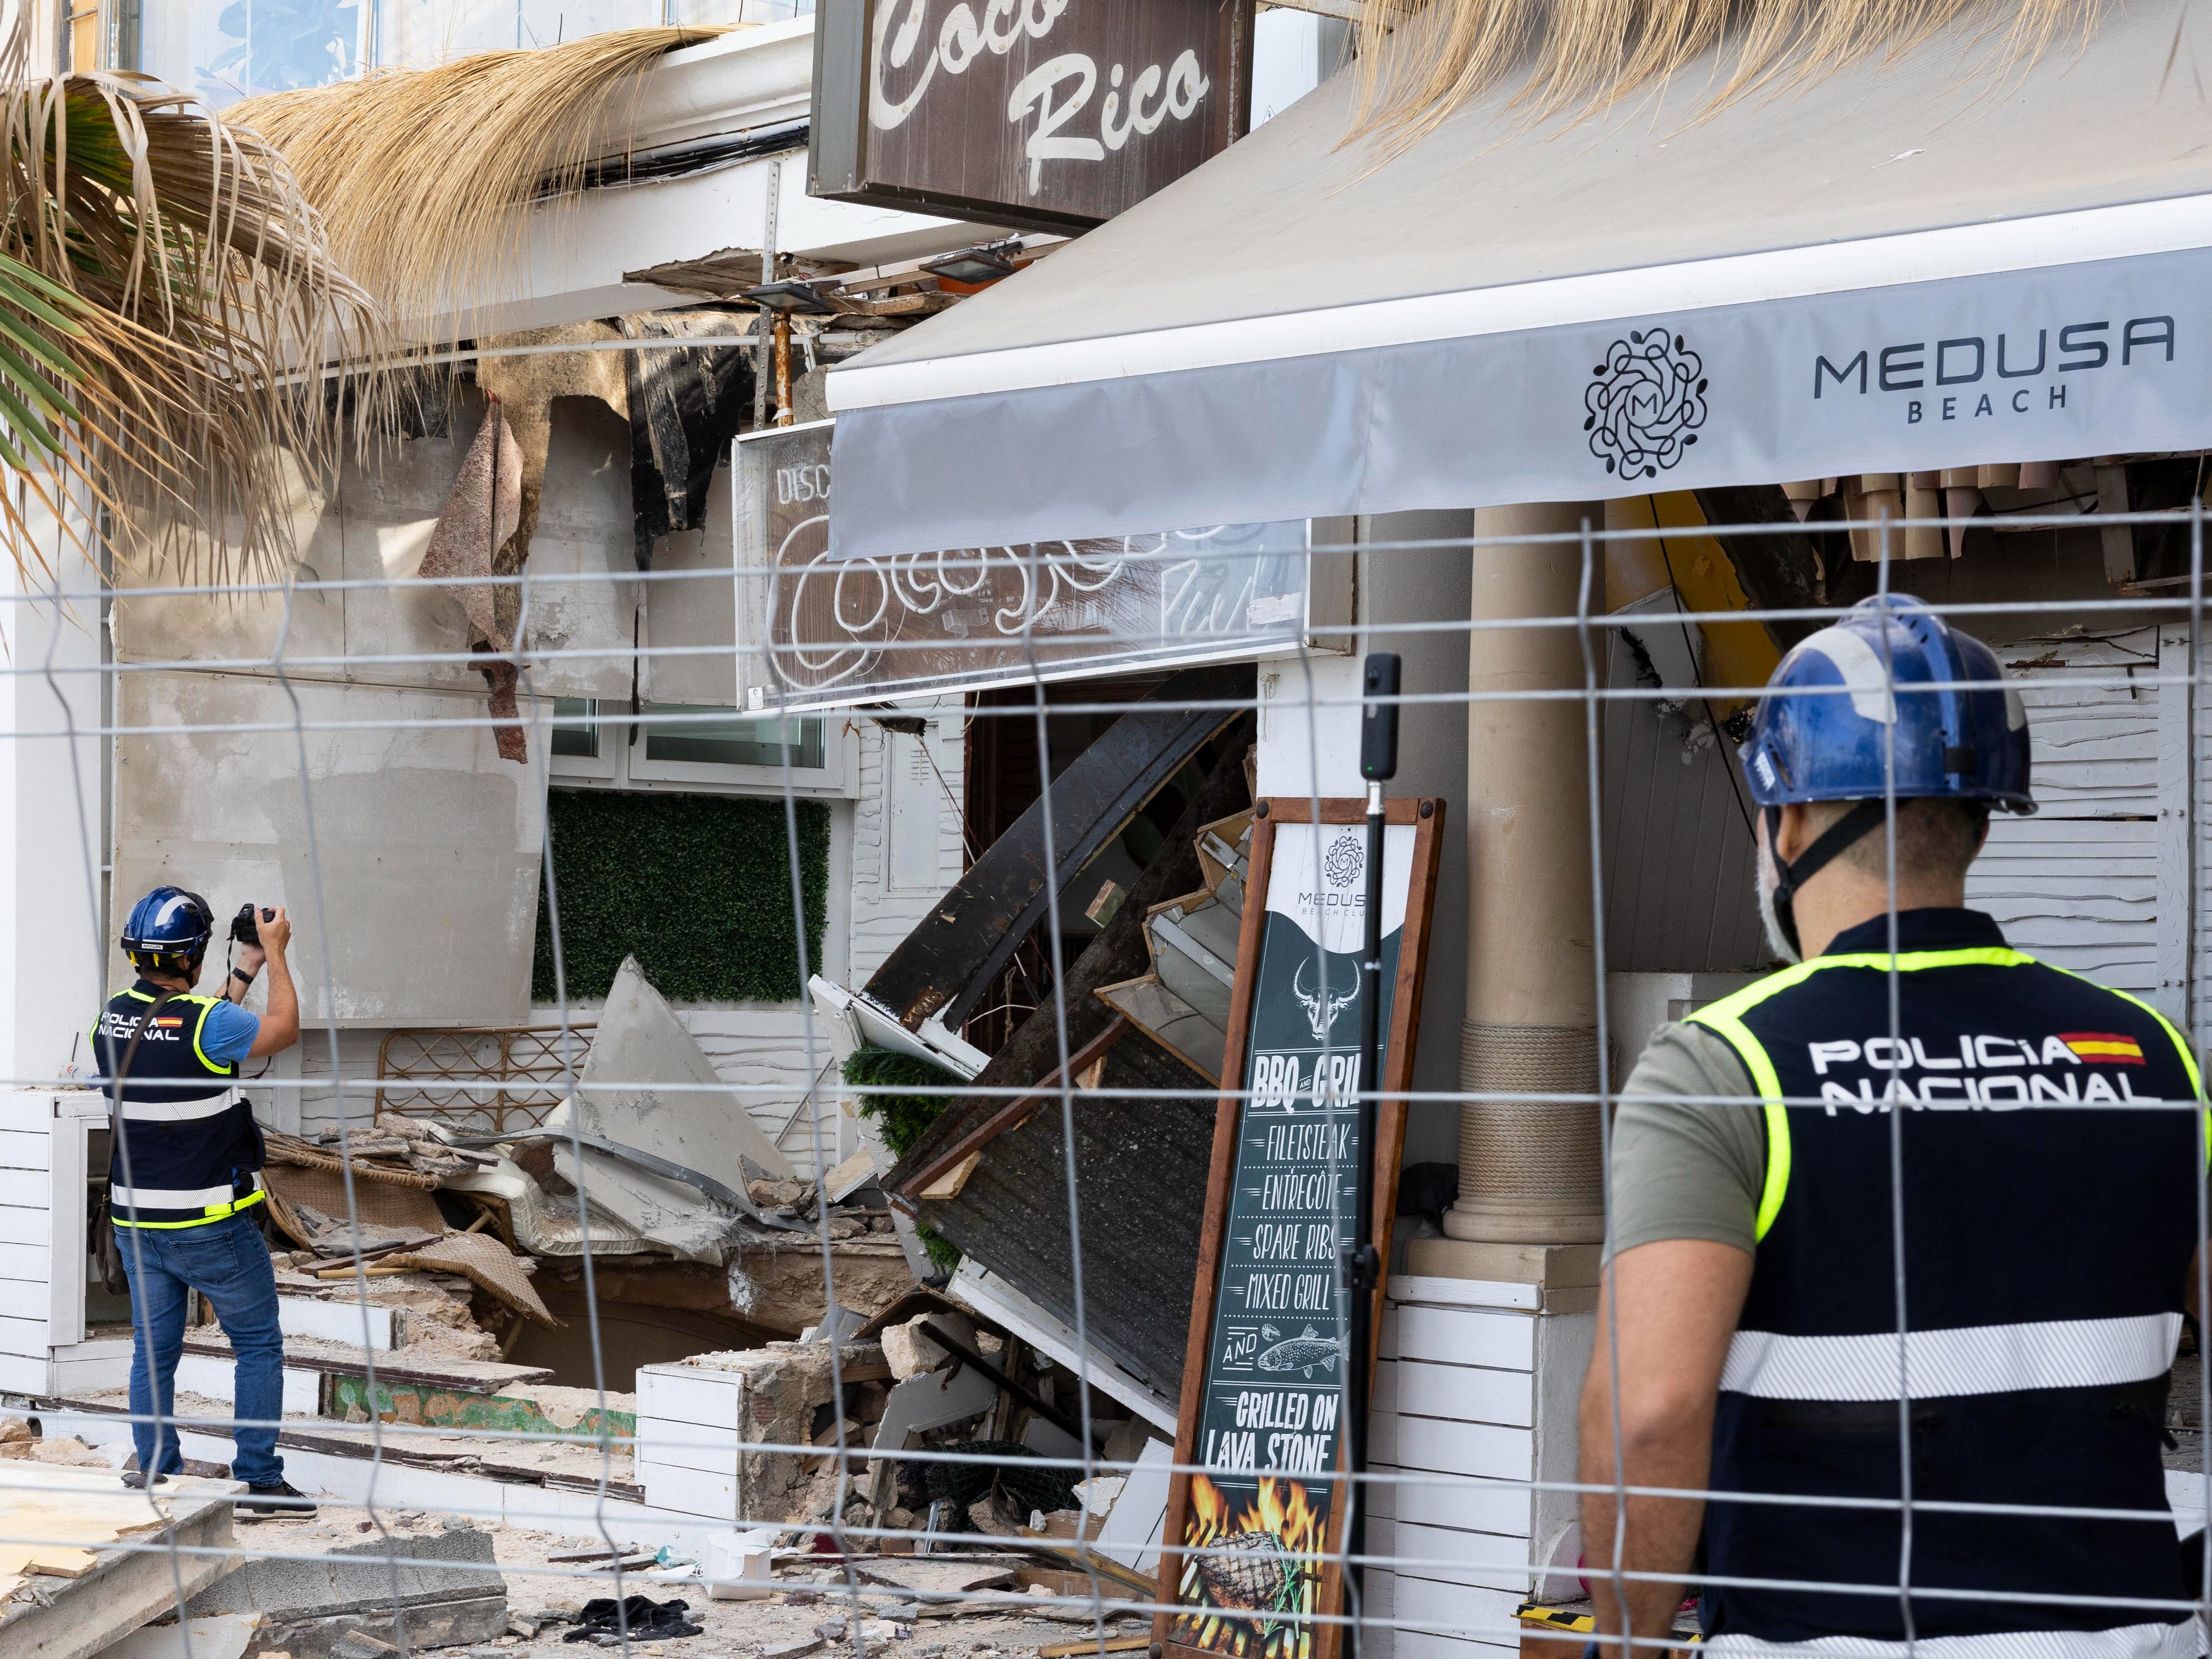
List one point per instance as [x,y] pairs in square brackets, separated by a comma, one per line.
[1528,1170]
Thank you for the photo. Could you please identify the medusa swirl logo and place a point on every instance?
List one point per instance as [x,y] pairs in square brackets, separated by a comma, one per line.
[1346,861]
[1646,401]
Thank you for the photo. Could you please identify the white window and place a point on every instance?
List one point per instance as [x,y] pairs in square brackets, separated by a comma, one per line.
[687,747]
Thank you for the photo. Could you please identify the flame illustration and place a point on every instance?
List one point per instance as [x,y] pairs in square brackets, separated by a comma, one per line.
[1286,1511]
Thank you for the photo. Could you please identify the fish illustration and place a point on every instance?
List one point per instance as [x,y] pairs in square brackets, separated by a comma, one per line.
[1302,1354]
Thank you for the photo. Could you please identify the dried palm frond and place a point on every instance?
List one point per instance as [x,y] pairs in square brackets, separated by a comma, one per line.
[425,178]
[176,276]
[1583,56]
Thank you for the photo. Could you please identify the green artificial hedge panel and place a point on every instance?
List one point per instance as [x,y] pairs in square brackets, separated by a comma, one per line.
[902,1118]
[696,887]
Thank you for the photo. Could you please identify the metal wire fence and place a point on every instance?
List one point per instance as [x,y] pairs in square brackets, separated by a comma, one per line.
[1444,1588]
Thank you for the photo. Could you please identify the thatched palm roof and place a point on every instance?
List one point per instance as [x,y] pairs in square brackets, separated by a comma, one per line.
[1581,56]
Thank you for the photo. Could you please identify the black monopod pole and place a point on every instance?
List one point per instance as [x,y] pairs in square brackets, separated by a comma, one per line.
[1360,1266]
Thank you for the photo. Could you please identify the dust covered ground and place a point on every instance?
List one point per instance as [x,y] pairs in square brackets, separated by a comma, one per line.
[809,1603]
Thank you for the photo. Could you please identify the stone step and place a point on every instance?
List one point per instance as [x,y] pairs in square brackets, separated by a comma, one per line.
[399,1365]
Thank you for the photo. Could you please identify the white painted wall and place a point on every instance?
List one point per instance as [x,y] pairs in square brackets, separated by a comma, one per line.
[53,803]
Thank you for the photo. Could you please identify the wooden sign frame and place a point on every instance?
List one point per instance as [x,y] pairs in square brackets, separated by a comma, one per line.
[959,154]
[1426,816]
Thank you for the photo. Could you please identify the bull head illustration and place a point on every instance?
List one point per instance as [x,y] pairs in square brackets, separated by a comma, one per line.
[1320,1018]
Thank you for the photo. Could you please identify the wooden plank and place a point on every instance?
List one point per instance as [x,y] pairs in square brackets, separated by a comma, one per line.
[1452,1555]
[1465,1292]
[31,1263]
[1468,1505]
[1468,1394]
[1467,1336]
[69,1200]
[26,1224]
[1452,1610]
[26,1149]
[28,1189]
[948,1185]
[1112,1644]
[20,1299]
[27,1112]
[1450,1447]
[24,1373]
[28,1337]
[690,1491]
[712,1399]
[687,1446]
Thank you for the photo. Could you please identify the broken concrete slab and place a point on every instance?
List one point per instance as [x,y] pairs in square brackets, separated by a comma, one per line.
[701,1126]
[128,1586]
[659,1211]
[444,1585]
[931,1401]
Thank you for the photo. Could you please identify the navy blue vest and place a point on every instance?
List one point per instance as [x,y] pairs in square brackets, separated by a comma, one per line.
[194,1146]
[2050,1216]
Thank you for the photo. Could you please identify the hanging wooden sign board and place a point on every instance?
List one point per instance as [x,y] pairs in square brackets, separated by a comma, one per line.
[1249,1552]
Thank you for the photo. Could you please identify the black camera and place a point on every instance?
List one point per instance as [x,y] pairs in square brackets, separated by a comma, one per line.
[246,926]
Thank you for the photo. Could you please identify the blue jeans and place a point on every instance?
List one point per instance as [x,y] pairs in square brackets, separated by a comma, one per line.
[226,1262]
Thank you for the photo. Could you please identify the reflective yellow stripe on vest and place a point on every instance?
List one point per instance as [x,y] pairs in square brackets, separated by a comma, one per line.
[215,1213]
[1725,1019]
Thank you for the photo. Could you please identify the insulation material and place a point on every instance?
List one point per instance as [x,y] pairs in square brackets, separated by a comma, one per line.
[685,409]
[486,1262]
[482,512]
[700,1125]
[528,385]
[310,1206]
[545,1225]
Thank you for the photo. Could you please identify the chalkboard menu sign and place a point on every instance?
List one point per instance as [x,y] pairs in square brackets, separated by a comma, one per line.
[1264,1385]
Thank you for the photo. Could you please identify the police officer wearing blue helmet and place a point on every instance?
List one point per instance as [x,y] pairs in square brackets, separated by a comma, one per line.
[184,1187]
[2048,1161]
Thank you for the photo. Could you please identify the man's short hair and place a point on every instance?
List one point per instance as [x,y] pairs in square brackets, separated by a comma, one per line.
[1934,836]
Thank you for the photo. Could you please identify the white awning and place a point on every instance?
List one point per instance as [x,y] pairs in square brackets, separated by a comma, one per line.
[1933,263]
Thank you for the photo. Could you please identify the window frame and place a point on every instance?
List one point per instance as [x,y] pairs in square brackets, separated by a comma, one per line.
[622,764]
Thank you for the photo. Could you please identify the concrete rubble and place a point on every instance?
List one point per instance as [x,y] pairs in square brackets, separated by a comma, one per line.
[437,1589]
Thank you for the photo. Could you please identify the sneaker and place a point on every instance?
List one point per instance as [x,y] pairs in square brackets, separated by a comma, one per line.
[281,1499]
[137,1481]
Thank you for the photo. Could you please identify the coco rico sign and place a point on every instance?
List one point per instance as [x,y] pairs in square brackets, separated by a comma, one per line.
[1050,113]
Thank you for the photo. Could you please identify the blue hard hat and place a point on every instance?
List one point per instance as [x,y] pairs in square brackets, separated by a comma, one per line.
[1968,742]
[169,926]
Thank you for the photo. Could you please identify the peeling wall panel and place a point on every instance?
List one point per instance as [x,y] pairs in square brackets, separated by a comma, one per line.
[427,842]
[376,523]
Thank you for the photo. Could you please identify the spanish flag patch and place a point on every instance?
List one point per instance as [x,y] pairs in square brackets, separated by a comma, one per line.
[2104,1047]
[170,1019]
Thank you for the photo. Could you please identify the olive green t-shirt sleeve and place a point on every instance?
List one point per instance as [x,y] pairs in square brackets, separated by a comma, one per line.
[1686,1167]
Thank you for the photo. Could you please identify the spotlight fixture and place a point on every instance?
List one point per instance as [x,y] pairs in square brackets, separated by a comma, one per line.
[975,267]
[790,295]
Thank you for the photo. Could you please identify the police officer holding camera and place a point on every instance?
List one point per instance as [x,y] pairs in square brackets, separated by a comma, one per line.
[184,1177]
